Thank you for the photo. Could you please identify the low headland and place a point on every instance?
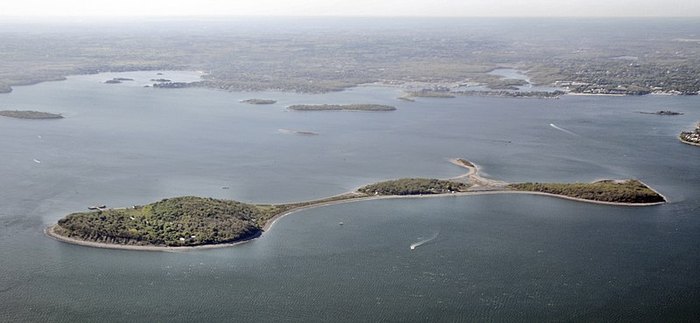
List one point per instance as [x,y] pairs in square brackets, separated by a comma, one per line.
[183,223]
[691,137]
[29,114]
[341,107]
[259,101]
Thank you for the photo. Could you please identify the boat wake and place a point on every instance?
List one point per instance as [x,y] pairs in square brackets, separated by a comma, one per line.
[424,241]
[562,129]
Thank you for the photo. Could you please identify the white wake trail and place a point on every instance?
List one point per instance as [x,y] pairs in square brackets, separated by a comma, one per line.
[424,241]
[562,129]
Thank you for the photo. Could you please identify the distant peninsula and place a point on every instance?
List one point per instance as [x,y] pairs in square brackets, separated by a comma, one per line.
[197,222]
[341,107]
[259,101]
[29,114]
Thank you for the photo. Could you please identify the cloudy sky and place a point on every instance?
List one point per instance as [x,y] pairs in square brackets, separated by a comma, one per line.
[538,8]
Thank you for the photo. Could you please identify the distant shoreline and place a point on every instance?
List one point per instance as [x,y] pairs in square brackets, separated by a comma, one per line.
[594,94]
[208,84]
[480,186]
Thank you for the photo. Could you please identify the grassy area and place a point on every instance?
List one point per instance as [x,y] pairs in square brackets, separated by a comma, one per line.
[629,191]
[413,186]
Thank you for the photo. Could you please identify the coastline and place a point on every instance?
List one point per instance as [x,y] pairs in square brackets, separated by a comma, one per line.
[65,77]
[480,186]
[52,234]
[594,94]
[688,142]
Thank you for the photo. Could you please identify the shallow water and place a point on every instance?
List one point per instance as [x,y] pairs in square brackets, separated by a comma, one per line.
[497,257]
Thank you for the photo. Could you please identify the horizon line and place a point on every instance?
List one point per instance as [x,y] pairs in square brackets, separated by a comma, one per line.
[224,16]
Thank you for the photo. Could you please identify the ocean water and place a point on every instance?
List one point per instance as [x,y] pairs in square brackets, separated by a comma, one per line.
[489,257]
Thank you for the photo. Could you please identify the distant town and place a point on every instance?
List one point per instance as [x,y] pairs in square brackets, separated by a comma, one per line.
[440,58]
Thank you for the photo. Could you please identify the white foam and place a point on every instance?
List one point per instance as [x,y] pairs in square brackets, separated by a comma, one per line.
[562,129]
[424,241]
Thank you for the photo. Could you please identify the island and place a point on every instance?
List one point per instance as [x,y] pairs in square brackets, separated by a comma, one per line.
[259,101]
[196,222]
[663,113]
[118,80]
[691,137]
[161,80]
[341,107]
[29,114]
[298,132]
[181,221]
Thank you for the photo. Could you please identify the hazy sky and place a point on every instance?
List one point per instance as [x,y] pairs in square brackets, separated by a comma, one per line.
[541,8]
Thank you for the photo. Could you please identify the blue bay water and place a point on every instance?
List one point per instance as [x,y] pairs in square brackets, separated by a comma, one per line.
[494,257]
